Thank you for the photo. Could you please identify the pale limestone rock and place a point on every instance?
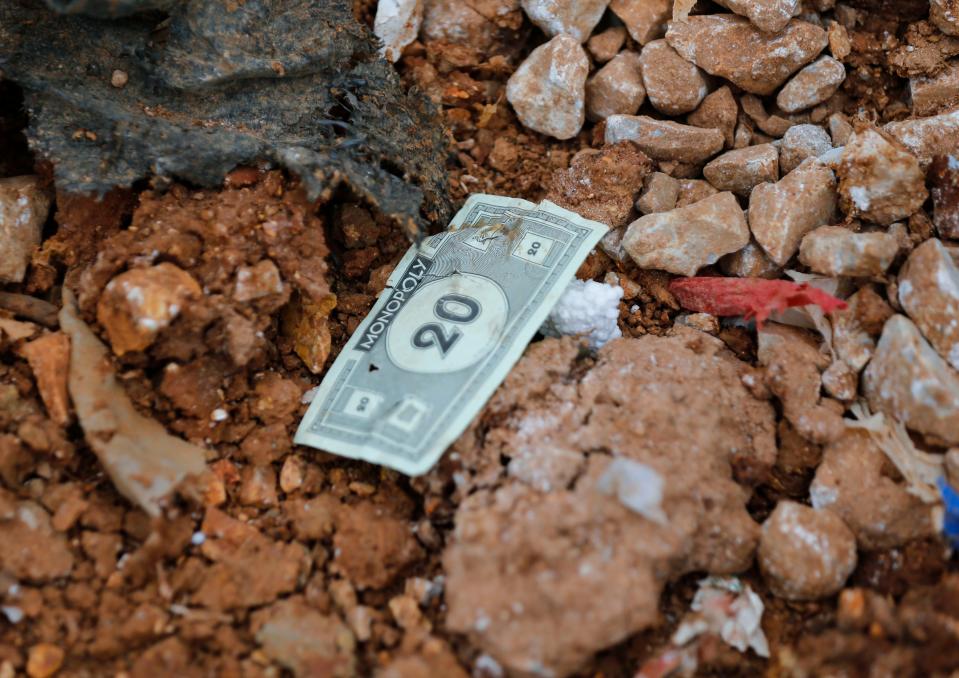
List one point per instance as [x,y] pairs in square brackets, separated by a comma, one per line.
[812,85]
[945,15]
[801,142]
[838,251]
[477,23]
[731,47]
[781,214]
[741,169]
[685,239]
[23,210]
[720,111]
[645,19]
[674,86]
[749,262]
[660,194]
[929,294]
[932,94]
[878,179]
[840,129]
[397,24]
[548,90]
[770,16]
[927,137]
[604,46]
[693,190]
[616,88]
[908,381]
[576,18]
[663,139]
[943,176]
[851,483]
[804,553]
[839,42]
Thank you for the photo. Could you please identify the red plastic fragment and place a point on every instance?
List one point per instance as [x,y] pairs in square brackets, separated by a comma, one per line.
[748,297]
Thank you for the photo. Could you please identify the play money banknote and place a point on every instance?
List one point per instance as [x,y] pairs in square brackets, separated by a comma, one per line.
[456,315]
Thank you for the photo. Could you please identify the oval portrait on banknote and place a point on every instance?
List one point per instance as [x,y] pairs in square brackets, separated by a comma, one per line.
[448,324]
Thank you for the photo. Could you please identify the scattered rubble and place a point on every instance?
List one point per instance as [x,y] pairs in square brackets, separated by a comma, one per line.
[781,214]
[548,90]
[731,47]
[685,239]
[838,251]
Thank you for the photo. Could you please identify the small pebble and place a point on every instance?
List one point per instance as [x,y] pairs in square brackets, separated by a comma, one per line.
[645,19]
[931,94]
[770,16]
[564,17]
[23,211]
[674,86]
[929,294]
[605,45]
[801,142]
[119,78]
[741,169]
[684,240]
[44,660]
[664,139]
[804,553]
[838,251]
[927,137]
[944,179]
[945,15]
[718,110]
[616,88]
[548,90]
[660,193]
[812,85]
[397,24]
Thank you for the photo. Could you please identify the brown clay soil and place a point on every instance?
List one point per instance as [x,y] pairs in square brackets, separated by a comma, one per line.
[289,559]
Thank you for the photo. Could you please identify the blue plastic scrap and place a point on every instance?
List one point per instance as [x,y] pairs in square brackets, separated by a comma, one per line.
[950,523]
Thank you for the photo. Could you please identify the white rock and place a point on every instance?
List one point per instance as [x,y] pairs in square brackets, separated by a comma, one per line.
[812,85]
[548,90]
[23,209]
[587,309]
[838,251]
[637,486]
[397,24]
[576,18]
[616,88]
[801,142]
[929,294]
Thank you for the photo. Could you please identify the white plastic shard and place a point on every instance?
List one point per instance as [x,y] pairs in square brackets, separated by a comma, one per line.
[587,309]
[637,486]
[727,607]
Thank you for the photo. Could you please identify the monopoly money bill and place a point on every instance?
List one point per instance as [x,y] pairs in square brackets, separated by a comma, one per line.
[456,315]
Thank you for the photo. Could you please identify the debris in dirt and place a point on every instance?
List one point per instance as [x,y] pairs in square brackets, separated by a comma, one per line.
[32,550]
[929,294]
[308,643]
[616,88]
[44,660]
[839,251]
[588,310]
[297,84]
[730,47]
[31,308]
[749,297]
[944,178]
[136,305]
[805,553]
[664,139]
[557,17]
[910,382]
[397,24]
[644,19]
[812,85]
[674,86]
[879,180]
[144,461]
[49,358]
[852,483]
[23,211]
[548,90]
[931,94]
[793,365]
[801,142]
[781,214]
[508,566]
[741,169]
[726,607]
[686,239]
